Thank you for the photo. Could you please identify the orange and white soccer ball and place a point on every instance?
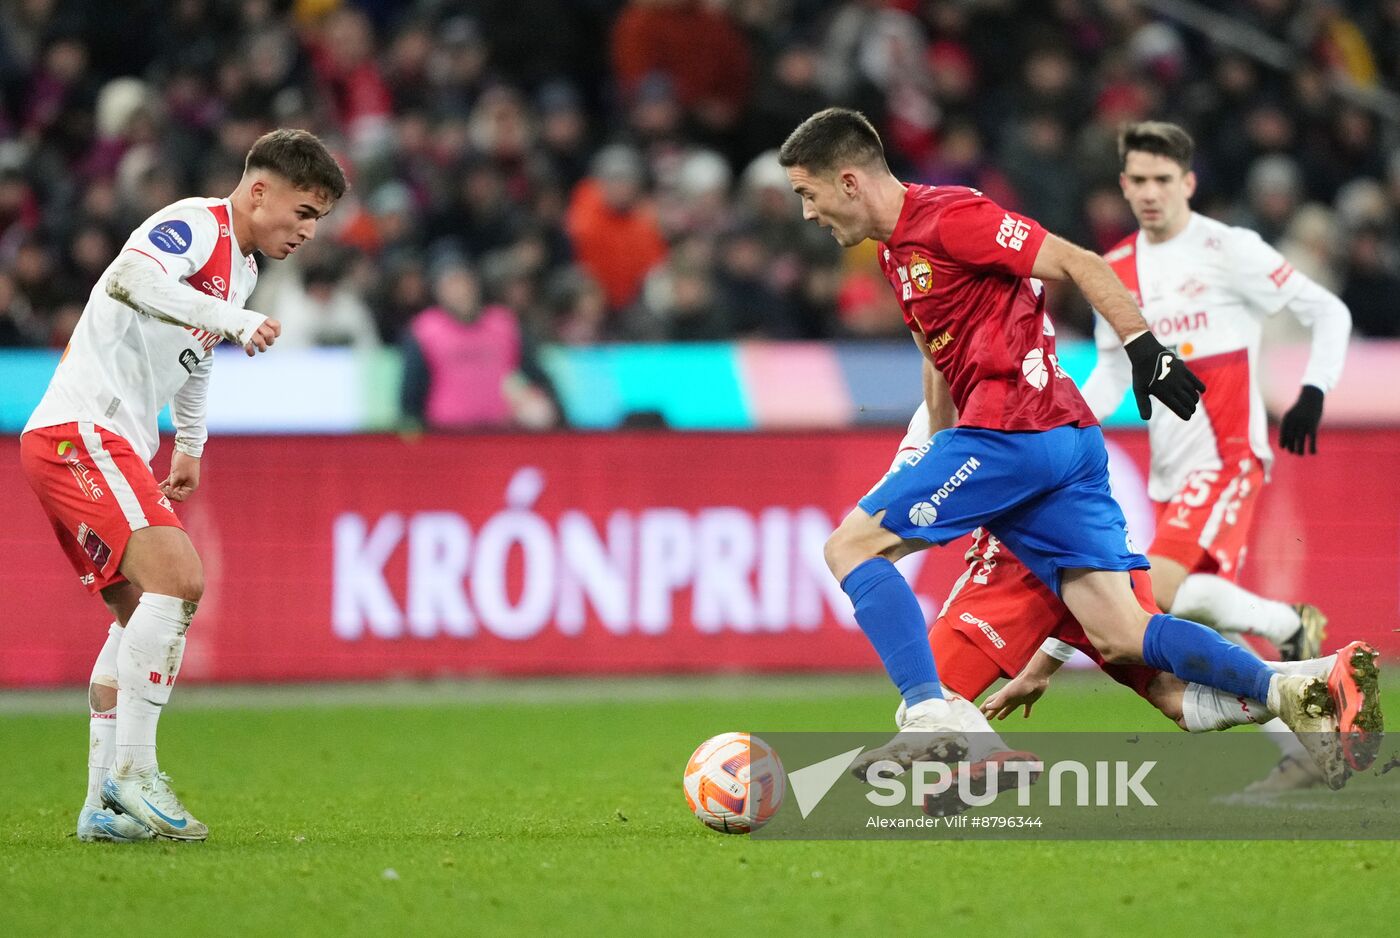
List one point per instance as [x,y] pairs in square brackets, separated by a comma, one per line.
[734,783]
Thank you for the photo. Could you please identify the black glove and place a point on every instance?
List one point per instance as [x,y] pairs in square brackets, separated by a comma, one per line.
[1298,431]
[1160,373]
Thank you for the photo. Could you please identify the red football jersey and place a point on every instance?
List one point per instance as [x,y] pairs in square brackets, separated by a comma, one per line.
[961,267]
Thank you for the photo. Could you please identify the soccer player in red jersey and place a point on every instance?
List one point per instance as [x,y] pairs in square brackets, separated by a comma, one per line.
[145,340]
[1026,458]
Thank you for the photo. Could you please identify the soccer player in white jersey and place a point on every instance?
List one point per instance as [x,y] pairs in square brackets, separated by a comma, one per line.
[145,340]
[1205,287]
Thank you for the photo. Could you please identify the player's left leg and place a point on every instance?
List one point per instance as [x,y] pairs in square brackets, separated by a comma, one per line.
[163,563]
[1075,539]
[96,823]
[941,492]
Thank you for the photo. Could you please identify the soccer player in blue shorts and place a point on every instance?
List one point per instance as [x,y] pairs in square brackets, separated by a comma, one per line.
[1019,452]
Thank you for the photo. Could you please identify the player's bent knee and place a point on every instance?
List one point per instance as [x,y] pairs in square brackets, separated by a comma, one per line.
[102,698]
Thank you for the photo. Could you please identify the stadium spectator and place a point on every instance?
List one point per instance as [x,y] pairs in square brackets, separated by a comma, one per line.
[697,46]
[612,226]
[324,312]
[467,365]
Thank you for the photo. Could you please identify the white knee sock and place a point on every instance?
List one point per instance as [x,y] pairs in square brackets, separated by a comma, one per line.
[102,725]
[147,662]
[1231,608]
[1204,709]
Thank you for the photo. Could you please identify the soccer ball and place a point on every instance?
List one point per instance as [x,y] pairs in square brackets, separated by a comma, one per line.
[734,783]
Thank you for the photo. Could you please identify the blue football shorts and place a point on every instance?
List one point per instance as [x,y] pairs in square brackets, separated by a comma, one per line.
[1044,493]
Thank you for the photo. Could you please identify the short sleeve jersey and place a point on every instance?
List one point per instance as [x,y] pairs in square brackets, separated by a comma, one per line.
[960,266]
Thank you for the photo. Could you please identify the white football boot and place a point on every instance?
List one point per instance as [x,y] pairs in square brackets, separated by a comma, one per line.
[985,748]
[928,732]
[1306,706]
[149,799]
[97,825]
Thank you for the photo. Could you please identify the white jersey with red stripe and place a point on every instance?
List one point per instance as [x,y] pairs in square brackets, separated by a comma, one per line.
[1205,292]
[132,354]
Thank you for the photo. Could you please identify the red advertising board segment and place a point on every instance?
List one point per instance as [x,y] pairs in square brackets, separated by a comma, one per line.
[370,557]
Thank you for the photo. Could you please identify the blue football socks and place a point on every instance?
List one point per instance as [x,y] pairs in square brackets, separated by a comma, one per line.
[1201,655]
[890,616]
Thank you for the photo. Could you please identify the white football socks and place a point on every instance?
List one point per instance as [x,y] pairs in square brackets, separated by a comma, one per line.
[1204,709]
[102,725]
[147,662]
[1230,608]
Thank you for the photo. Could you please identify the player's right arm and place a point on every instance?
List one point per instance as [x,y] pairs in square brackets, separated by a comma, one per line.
[1157,371]
[1030,685]
[151,282]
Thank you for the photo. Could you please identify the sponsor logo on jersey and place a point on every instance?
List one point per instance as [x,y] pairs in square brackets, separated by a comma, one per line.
[172,237]
[921,271]
[991,633]
[955,480]
[204,337]
[1281,274]
[96,548]
[189,359]
[1164,326]
[939,342]
[87,579]
[923,514]
[1013,233]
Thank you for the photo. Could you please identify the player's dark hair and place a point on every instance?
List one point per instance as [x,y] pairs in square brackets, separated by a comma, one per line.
[1157,137]
[301,158]
[830,139]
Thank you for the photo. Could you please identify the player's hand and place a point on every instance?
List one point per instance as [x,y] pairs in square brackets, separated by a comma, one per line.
[1298,431]
[183,478]
[262,339]
[1023,690]
[1159,372]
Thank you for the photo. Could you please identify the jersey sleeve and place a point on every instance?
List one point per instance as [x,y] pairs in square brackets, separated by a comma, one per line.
[1261,275]
[180,242]
[980,234]
[1103,390]
[150,276]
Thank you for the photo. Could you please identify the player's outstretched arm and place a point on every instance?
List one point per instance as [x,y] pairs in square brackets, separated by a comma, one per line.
[1031,684]
[1330,321]
[1157,371]
[138,282]
[1024,689]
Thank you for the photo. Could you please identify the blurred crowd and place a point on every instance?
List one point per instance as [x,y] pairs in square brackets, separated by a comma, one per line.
[591,170]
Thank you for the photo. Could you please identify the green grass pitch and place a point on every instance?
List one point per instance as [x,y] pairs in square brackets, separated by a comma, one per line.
[477,810]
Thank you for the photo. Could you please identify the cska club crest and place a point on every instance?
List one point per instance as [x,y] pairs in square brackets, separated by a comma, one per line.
[920,271]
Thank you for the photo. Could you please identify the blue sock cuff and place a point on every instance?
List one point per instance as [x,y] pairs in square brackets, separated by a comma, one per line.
[1151,644]
[921,692]
[866,575]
